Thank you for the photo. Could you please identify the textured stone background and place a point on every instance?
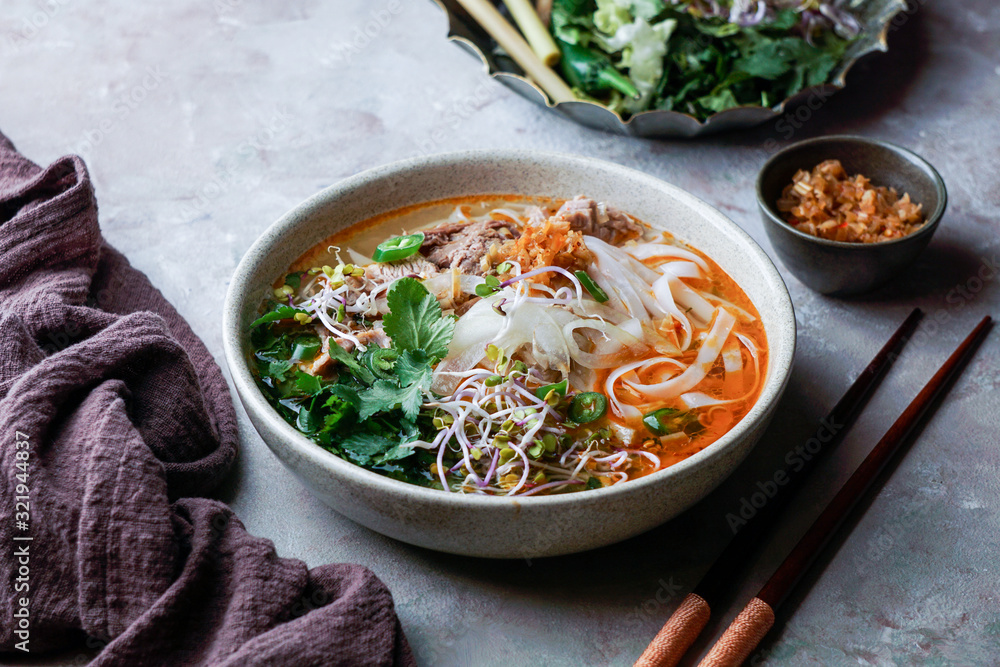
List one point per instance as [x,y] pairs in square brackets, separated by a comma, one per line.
[202,122]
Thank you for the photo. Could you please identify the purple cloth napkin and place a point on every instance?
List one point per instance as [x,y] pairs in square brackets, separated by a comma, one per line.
[114,418]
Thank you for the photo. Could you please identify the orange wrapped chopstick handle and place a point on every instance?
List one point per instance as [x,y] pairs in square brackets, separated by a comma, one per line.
[742,636]
[677,634]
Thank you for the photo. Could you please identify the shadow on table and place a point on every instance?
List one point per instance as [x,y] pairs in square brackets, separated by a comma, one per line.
[652,572]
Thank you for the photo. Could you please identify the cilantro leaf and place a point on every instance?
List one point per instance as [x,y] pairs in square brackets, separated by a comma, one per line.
[414,320]
[414,367]
[363,447]
[337,353]
[279,313]
[275,369]
[400,451]
[340,393]
[386,395]
[414,374]
[308,384]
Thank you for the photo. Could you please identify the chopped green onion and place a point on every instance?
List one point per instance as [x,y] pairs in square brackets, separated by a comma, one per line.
[587,407]
[666,421]
[306,348]
[600,296]
[559,388]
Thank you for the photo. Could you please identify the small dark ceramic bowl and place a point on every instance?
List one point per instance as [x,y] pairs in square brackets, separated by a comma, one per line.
[838,268]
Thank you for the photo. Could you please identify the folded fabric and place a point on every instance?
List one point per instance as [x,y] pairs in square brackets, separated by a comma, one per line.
[114,423]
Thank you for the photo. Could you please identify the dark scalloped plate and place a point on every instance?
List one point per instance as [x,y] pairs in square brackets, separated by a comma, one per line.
[875,17]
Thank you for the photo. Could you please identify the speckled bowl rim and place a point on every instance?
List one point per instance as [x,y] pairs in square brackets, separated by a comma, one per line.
[254,400]
[928,228]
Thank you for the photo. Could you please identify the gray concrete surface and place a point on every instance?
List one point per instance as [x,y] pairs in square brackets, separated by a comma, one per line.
[202,122]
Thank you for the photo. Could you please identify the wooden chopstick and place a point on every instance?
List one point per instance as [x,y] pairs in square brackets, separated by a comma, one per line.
[513,43]
[690,618]
[757,617]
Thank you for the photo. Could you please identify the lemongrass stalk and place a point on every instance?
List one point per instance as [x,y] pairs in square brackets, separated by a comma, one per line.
[511,41]
[534,31]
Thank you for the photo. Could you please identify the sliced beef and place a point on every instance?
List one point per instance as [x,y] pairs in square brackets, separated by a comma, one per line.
[463,245]
[414,266]
[593,218]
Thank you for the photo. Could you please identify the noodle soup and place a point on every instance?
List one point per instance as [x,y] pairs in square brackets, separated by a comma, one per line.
[509,346]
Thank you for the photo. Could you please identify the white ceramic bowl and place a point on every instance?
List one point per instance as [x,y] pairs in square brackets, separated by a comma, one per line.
[496,526]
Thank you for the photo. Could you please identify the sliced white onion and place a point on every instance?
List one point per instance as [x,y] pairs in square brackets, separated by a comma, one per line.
[358,259]
[622,343]
[442,285]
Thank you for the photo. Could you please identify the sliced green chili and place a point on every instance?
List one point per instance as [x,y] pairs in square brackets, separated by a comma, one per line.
[668,420]
[559,388]
[600,296]
[398,247]
[587,407]
[306,348]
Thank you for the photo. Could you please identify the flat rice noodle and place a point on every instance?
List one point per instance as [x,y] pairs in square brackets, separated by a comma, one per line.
[691,300]
[623,410]
[651,250]
[618,255]
[732,362]
[697,399]
[664,296]
[741,314]
[612,277]
[682,270]
[710,350]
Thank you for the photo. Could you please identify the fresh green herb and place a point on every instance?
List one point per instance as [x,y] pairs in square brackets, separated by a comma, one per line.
[687,57]
[414,374]
[279,313]
[363,374]
[372,412]
[489,286]
[414,320]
